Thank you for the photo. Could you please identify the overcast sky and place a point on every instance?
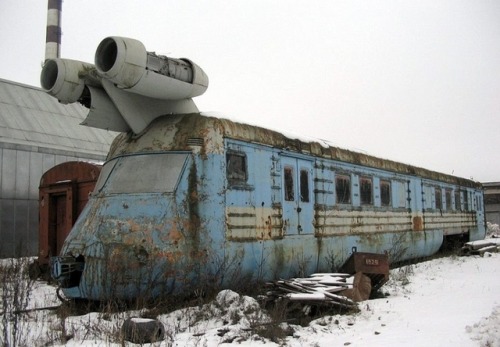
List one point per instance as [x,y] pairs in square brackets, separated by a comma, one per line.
[411,81]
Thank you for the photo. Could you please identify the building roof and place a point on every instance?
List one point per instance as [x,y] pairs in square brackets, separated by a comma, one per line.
[30,117]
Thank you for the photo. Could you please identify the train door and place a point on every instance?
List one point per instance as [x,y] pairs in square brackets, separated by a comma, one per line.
[57,214]
[59,226]
[297,196]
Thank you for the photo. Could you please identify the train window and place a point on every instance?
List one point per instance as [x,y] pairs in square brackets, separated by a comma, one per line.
[466,201]
[289,186]
[447,194]
[236,168]
[146,173]
[479,204]
[438,198]
[458,204]
[401,194]
[343,189]
[304,185]
[385,193]
[427,192]
[366,190]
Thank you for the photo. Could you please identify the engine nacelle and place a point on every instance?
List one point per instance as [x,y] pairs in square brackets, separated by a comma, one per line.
[127,64]
[64,79]
[128,87]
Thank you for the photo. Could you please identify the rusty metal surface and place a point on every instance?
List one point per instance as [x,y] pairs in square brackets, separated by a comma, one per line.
[212,130]
[368,263]
[64,191]
[76,171]
[210,226]
[451,223]
[375,266]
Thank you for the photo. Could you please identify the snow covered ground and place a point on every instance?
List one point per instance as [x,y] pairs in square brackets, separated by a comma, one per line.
[451,301]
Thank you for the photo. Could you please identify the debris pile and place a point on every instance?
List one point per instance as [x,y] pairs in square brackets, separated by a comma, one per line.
[334,289]
[361,274]
[481,247]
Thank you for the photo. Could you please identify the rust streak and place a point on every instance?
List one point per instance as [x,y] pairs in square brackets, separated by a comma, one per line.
[418,224]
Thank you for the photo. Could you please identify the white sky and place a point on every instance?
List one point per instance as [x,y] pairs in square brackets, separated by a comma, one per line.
[412,81]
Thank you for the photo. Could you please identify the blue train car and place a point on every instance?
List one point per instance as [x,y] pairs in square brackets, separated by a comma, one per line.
[195,201]
[187,201]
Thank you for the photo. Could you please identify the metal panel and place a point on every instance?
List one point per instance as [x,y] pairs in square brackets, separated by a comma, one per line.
[22,174]
[48,161]
[8,174]
[32,226]
[8,227]
[21,232]
[33,117]
[36,172]
[253,223]
[59,159]
[345,222]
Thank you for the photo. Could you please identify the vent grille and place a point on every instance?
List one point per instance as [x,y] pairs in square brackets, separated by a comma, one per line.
[195,141]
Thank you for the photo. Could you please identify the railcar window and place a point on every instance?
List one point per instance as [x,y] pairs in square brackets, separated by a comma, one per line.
[458,204]
[438,198]
[343,189]
[479,204]
[304,185]
[466,201]
[289,186]
[385,193]
[147,173]
[447,194]
[402,194]
[236,168]
[366,191]
[427,190]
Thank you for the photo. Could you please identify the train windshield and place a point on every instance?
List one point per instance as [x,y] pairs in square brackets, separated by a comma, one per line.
[145,173]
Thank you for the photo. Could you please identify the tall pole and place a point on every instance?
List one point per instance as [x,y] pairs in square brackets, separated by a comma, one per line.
[54,32]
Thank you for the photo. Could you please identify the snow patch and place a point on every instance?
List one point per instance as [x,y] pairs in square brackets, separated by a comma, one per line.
[443,302]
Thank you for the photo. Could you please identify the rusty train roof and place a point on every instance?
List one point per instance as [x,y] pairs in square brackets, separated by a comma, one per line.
[173,132]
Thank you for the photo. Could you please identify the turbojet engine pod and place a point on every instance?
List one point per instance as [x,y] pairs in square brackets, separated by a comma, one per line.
[128,87]
[126,63]
[64,79]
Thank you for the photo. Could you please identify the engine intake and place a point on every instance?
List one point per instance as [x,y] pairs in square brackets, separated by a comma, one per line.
[64,79]
[126,63]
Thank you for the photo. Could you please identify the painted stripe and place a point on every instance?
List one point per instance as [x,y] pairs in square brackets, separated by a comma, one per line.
[51,50]
[55,4]
[53,17]
[53,34]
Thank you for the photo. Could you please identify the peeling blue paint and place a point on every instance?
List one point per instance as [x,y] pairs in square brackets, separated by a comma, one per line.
[200,224]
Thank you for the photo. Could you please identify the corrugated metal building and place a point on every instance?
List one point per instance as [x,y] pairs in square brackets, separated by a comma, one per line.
[492,201]
[36,133]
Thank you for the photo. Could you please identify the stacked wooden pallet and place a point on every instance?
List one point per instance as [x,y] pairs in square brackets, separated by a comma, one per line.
[482,246]
[323,288]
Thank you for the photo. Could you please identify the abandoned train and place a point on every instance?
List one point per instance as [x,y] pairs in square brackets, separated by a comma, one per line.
[193,200]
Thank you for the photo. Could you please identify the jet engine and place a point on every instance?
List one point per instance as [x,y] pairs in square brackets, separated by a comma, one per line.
[126,63]
[128,87]
[64,79]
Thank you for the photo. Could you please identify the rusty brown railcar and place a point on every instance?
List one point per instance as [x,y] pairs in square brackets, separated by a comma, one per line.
[63,193]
